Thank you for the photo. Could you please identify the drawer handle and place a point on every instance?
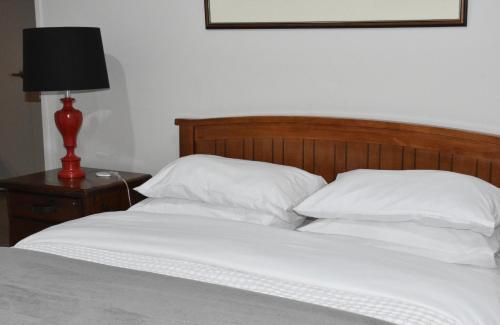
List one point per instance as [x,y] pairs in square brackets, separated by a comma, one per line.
[43,209]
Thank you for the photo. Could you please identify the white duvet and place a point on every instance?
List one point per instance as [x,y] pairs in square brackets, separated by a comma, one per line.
[337,272]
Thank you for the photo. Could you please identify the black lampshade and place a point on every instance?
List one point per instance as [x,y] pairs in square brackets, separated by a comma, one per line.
[63,58]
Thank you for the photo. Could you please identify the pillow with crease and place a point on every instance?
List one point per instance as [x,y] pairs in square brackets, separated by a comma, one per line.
[196,208]
[444,244]
[252,185]
[428,197]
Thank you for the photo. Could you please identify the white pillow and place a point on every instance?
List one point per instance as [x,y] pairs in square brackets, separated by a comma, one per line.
[433,198]
[196,208]
[444,244]
[238,183]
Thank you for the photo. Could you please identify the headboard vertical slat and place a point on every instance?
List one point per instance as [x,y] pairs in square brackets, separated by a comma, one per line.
[445,160]
[484,169]
[308,159]
[324,159]
[340,162]
[186,140]
[248,149]
[426,159]
[278,150]
[391,157]
[220,147]
[465,165]
[357,155]
[263,149]
[293,152]
[495,173]
[409,158]
[374,156]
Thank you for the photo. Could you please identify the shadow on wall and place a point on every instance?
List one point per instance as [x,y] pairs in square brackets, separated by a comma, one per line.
[107,138]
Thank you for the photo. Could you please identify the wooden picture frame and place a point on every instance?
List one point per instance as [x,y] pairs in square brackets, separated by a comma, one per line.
[257,14]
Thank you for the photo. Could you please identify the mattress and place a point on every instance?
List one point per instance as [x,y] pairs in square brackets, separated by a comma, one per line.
[336,272]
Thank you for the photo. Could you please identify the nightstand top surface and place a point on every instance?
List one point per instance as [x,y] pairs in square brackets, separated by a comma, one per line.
[48,181]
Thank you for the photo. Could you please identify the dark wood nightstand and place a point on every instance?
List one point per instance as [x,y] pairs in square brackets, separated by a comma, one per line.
[41,200]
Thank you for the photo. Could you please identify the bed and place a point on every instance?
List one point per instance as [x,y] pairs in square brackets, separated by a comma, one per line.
[138,267]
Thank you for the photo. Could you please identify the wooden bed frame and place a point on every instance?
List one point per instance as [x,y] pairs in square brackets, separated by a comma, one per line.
[328,146]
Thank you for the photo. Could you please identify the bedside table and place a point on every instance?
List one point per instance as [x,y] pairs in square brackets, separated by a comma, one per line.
[41,200]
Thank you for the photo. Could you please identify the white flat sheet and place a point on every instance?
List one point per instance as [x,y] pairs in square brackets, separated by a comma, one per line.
[337,272]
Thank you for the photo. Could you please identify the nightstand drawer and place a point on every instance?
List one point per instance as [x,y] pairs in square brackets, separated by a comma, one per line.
[44,207]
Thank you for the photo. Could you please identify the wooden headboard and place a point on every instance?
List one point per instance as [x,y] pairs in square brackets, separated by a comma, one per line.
[328,146]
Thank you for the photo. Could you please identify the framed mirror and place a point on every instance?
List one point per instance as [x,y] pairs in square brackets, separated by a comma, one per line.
[334,13]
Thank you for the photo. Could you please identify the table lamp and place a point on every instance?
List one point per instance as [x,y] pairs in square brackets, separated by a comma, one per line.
[65,59]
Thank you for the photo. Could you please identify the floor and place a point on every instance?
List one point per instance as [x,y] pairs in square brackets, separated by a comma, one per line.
[4,234]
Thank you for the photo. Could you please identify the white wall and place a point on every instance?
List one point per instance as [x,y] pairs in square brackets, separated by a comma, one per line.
[163,64]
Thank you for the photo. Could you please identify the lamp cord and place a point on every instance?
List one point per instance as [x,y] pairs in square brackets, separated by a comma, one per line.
[126,185]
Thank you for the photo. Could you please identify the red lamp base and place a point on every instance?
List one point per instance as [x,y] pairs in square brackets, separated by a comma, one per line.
[68,121]
[71,168]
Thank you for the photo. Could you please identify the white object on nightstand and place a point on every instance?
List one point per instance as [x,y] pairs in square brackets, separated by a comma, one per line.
[103,174]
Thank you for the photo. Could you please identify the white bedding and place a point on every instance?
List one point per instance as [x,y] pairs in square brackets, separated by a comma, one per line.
[337,272]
